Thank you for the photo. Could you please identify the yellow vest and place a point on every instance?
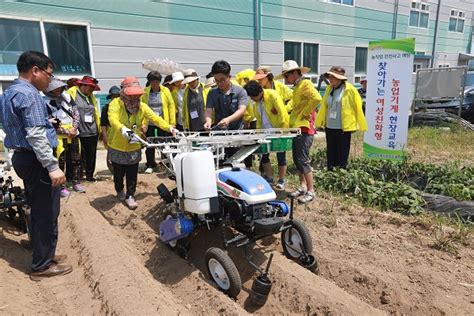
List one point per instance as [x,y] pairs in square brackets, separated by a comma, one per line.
[274,109]
[352,116]
[169,108]
[118,118]
[285,93]
[73,91]
[305,100]
[185,103]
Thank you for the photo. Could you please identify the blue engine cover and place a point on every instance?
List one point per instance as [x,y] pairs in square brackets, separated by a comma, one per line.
[248,181]
[175,228]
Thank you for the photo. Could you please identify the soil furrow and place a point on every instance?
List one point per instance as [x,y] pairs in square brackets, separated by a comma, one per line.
[114,273]
[295,289]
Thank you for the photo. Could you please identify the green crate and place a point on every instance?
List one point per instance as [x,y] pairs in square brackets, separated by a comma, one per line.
[276,144]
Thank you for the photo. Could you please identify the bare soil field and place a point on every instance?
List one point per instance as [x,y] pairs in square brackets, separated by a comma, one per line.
[371,263]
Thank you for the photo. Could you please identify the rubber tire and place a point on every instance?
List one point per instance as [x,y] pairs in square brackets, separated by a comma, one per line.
[231,270]
[305,238]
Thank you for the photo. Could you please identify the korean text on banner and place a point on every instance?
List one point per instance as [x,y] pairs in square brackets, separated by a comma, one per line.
[389,75]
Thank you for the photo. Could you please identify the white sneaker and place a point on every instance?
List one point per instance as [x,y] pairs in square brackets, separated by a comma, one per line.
[308,197]
[130,202]
[280,185]
[149,170]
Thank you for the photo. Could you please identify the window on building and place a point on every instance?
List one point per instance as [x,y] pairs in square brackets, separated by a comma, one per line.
[292,51]
[419,14]
[17,36]
[346,2]
[420,63]
[421,60]
[68,48]
[310,56]
[361,61]
[305,54]
[456,21]
[67,45]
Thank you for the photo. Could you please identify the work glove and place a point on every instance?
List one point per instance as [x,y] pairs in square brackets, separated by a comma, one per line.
[129,135]
[173,131]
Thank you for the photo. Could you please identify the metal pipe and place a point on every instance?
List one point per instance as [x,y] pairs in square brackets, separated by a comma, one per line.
[395,19]
[256,42]
[435,36]
[461,98]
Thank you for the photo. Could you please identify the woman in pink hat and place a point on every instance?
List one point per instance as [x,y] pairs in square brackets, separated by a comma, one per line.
[126,115]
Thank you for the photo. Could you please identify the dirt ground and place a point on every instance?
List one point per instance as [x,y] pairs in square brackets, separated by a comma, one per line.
[371,263]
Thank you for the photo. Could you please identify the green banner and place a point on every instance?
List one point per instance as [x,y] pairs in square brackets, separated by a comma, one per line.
[402,44]
[381,153]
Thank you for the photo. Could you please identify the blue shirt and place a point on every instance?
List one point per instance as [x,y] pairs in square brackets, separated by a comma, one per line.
[226,104]
[22,107]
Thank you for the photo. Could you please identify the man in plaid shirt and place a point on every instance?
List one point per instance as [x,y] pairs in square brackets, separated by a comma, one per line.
[33,139]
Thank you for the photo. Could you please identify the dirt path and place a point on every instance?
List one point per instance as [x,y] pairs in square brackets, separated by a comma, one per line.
[295,289]
[371,263]
[388,261]
[21,296]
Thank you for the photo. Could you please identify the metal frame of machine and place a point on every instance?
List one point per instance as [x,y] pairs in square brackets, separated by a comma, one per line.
[12,198]
[220,193]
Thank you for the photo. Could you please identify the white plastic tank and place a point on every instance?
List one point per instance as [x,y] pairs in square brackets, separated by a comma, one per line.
[196,180]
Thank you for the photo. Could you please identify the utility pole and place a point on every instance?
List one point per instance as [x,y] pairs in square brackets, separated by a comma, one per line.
[435,36]
[256,41]
[395,19]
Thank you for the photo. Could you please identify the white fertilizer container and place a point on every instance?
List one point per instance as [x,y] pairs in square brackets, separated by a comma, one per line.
[196,180]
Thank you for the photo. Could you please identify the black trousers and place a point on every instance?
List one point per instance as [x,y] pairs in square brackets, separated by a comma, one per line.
[70,160]
[130,172]
[44,201]
[338,145]
[153,131]
[88,155]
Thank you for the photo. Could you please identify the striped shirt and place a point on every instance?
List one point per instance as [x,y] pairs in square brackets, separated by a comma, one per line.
[23,107]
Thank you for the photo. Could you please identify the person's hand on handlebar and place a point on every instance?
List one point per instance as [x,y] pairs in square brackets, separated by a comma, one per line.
[173,131]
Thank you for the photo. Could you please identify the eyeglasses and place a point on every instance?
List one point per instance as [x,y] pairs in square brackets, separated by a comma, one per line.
[219,81]
[286,75]
[50,74]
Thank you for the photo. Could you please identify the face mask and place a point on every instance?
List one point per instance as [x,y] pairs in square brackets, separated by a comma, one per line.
[132,105]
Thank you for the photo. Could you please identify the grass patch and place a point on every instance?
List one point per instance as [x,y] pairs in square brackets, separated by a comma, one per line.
[431,145]
[449,236]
